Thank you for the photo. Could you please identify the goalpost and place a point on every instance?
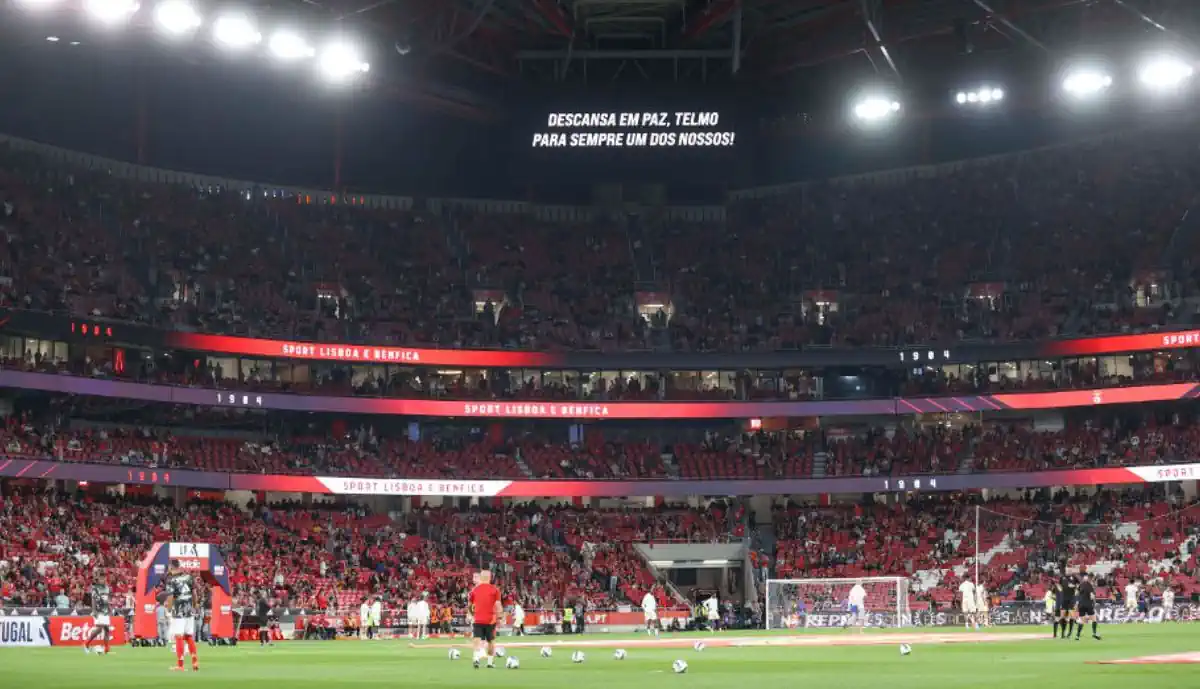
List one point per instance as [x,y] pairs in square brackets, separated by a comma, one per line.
[797,603]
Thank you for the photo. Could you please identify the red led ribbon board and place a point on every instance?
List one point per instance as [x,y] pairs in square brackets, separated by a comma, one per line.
[79,385]
[1092,346]
[366,354]
[358,485]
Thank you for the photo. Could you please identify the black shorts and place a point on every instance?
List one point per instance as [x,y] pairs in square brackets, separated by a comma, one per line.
[485,632]
[1087,609]
[1066,606]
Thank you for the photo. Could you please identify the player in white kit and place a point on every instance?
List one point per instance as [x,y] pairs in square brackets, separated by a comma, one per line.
[712,610]
[982,606]
[968,603]
[650,613]
[1131,600]
[423,613]
[1168,603]
[856,605]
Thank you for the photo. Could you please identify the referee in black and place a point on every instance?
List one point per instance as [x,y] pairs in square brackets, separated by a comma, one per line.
[1086,606]
[1066,606]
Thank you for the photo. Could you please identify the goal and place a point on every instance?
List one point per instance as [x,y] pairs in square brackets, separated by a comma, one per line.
[799,603]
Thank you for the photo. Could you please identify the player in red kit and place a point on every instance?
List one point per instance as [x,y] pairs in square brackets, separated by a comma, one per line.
[486,609]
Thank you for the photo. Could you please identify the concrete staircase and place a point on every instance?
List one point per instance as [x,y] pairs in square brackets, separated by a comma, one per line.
[820,460]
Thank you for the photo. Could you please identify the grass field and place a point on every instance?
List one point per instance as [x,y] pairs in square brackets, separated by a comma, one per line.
[1013,662]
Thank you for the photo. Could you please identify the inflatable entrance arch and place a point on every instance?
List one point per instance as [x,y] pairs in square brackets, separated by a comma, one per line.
[203,560]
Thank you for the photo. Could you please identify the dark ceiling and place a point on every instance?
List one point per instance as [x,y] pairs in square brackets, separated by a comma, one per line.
[469,51]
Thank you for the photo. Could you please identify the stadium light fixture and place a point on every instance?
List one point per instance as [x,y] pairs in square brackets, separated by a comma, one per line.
[236,32]
[340,62]
[985,95]
[110,12]
[176,17]
[289,46]
[1165,72]
[876,109]
[1086,83]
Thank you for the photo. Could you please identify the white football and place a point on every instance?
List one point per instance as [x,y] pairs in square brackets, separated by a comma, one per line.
[578,657]
[454,654]
[679,667]
[699,645]
[905,649]
[512,663]
[500,652]
[547,652]
[619,654]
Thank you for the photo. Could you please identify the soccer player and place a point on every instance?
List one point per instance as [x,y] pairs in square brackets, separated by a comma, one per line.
[1085,606]
[518,625]
[1131,600]
[376,617]
[486,609]
[1168,602]
[712,611]
[181,597]
[263,610]
[1050,601]
[364,619]
[966,591]
[650,613]
[856,602]
[411,610]
[423,617]
[982,605]
[101,616]
[1067,606]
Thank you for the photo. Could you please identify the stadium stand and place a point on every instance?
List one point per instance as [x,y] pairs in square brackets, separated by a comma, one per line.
[1129,436]
[1024,542]
[1064,241]
[330,556]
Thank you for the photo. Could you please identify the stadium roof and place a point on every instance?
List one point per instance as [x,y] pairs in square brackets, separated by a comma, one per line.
[468,42]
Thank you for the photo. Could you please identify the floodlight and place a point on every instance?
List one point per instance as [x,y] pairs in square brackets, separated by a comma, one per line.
[983,96]
[340,62]
[236,32]
[110,12]
[52,39]
[874,109]
[1164,72]
[289,46]
[176,17]
[1083,83]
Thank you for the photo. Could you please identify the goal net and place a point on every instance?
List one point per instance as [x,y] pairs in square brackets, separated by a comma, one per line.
[800,603]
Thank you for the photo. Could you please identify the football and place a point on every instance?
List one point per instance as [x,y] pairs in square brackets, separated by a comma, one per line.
[454,654]
[512,663]
[679,667]
[547,652]
[699,645]
[500,652]
[577,657]
[619,654]
[905,649]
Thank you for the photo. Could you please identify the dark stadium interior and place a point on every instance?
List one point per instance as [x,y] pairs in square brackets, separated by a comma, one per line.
[437,349]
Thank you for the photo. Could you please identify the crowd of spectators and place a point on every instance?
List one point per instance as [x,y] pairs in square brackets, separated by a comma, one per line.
[327,556]
[1076,239]
[1026,541]
[1133,436]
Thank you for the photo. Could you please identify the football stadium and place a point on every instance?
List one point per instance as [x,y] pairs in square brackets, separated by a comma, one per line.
[543,343]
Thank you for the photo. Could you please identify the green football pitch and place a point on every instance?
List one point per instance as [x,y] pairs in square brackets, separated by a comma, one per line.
[1015,658]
